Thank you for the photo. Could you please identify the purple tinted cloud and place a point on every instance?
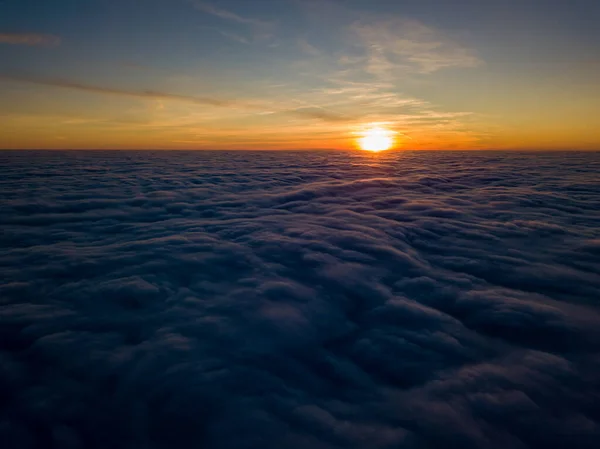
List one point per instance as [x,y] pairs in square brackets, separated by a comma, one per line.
[321,300]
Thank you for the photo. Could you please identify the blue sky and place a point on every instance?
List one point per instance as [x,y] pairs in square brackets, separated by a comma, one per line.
[298,73]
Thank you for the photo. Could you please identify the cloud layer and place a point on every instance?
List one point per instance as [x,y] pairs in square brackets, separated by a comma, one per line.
[322,300]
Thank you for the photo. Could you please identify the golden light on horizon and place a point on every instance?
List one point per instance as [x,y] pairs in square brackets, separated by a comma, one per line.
[376,139]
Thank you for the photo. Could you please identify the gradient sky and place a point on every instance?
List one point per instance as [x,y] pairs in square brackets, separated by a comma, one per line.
[299,74]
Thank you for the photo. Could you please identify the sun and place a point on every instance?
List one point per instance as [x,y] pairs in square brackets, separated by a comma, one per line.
[376,139]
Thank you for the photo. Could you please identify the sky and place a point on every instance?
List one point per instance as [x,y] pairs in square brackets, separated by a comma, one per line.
[299,74]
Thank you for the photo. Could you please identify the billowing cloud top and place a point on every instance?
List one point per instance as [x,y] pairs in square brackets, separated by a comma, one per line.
[299,300]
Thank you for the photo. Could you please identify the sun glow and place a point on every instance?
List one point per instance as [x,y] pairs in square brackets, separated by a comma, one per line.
[376,139]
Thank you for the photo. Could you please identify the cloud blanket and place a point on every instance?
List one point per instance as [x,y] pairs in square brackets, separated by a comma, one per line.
[299,300]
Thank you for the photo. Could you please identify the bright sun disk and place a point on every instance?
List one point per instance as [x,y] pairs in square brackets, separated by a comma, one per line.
[376,139]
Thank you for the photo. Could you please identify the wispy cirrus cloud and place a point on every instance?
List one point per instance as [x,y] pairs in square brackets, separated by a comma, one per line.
[387,46]
[308,48]
[31,39]
[236,37]
[329,88]
[254,106]
[153,94]
[258,29]
[226,15]
[408,45]
[371,64]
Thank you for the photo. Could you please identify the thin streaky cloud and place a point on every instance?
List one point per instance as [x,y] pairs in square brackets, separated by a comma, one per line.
[226,15]
[256,30]
[31,39]
[390,45]
[57,82]
[308,48]
[235,37]
[410,46]
[256,107]
[317,112]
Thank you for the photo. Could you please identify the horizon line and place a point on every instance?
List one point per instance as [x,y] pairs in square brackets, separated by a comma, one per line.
[537,150]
